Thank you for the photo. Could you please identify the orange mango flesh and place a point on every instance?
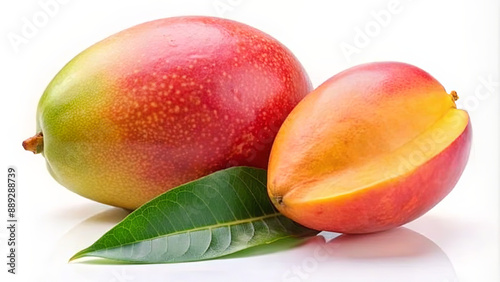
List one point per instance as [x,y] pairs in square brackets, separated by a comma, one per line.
[372,148]
[386,204]
[386,168]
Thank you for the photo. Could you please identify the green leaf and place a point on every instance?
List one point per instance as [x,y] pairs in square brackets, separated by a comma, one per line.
[217,215]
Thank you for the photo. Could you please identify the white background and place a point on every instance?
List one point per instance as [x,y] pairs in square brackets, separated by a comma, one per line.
[456,41]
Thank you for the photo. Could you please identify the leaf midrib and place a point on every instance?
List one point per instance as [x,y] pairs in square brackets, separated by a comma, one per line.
[236,222]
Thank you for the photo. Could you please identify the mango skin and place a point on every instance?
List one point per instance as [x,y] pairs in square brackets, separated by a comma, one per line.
[164,103]
[337,162]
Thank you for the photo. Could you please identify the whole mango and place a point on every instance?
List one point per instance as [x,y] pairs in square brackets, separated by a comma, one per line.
[164,103]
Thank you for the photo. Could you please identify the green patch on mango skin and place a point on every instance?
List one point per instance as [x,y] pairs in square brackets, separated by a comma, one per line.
[70,116]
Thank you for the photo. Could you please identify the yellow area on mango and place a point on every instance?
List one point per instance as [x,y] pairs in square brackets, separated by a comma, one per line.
[402,161]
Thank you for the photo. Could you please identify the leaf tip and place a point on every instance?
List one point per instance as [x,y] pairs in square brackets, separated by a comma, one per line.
[78,255]
[73,258]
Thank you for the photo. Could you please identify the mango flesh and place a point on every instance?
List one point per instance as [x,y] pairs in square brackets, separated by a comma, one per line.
[164,103]
[372,148]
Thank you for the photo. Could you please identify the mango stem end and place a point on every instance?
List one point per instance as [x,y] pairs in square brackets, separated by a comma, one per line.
[34,144]
[454,95]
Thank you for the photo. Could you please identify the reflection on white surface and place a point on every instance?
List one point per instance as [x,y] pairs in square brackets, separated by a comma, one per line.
[396,255]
